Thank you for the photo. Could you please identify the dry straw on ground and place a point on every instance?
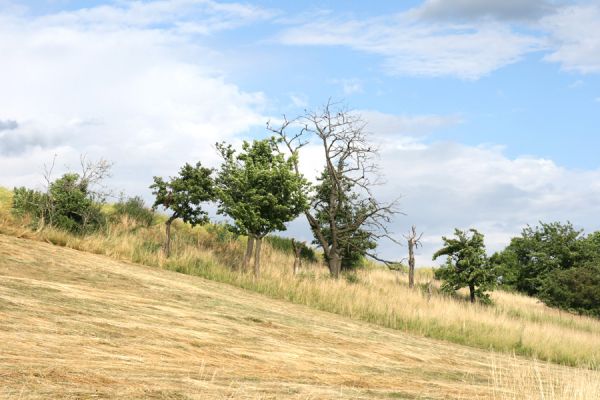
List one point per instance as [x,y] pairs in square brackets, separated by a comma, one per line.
[77,325]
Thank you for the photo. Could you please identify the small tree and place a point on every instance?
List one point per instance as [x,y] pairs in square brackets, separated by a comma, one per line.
[259,189]
[466,265]
[183,195]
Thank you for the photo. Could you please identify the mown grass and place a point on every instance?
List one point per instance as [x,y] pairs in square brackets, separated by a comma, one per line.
[514,324]
[81,326]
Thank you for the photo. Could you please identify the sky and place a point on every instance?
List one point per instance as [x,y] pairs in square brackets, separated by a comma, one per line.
[486,113]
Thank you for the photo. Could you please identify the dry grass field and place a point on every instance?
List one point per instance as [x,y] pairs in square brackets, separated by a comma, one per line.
[514,324]
[75,325]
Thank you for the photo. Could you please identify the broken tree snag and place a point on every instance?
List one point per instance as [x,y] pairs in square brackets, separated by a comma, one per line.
[167,244]
[297,252]
[414,241]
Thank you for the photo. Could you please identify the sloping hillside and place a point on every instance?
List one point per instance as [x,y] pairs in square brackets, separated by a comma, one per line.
[77,325]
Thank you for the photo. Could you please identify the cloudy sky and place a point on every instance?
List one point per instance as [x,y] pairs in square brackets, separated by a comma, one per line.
[487,112]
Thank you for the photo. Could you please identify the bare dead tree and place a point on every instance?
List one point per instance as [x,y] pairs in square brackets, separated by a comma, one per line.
[93,174]
[414,242]
[349,158]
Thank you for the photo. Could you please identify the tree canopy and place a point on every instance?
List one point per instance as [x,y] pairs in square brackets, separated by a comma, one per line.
[466,264]
[183,195]
[259,189]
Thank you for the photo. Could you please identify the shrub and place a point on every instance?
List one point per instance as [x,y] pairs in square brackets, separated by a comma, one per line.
[68,205]
[135,209]
[576,289]
[285,245]
[29,202]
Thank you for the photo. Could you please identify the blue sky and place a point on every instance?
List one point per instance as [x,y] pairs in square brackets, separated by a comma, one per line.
[488,112]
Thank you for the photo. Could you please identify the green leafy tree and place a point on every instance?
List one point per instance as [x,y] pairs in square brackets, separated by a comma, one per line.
[528,259]
[260,191]
[183,195]
[466,265]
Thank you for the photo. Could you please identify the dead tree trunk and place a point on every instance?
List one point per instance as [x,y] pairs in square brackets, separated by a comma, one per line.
[335,264]
[248,254]
[257,257]
[167,245]
[297,260]
[414,242]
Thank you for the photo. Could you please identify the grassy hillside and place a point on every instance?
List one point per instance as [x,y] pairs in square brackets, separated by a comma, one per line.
[78,325]
[515,324]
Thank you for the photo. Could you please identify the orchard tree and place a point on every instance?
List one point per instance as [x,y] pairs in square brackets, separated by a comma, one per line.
[183,195]
[466,264]
[340,217]
[260,191]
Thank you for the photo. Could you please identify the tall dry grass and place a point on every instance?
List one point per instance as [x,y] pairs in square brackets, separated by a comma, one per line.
[514,324]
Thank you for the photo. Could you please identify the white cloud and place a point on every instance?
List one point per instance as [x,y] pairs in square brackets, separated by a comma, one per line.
[474,9]
[349,86]
[385,125]
[447,185]
[575,37]
[411,46]
[443,185]
[148,99]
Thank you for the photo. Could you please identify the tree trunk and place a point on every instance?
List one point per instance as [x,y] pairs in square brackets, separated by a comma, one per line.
[257,258]
[248,255]
[411,264]
[167,246]
[335,264]
[297,260]
[472,292]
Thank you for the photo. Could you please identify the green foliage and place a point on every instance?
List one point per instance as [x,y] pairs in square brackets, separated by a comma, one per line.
[73,207]
[528,260]
[135,209]
[576,289]
[223,233]
[259,188]
[183,194]
[285,245]
[29,202]
[68,205]
[354,243]
[466,265]
[556,263]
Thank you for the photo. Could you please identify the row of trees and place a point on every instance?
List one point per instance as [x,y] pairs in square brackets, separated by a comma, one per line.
[553,261]
[261,188]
